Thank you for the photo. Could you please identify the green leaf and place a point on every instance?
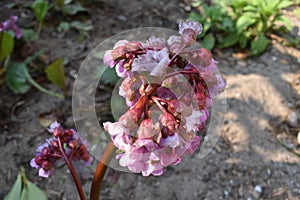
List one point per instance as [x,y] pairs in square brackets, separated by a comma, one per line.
[63,26]
[245,21]
[287,22]
[259,45]
[73,9]
[229,40]
[209,42]
[30,191]
[15,192]
[81,26]
[285,4]
[29,35]
[7,45]
[23,189]
[16,77]
[250,8]
[243,39]
[110,76]
[195,16]
[55,73]
[60,3]
[40,9]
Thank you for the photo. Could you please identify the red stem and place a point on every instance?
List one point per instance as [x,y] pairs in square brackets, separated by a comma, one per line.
[100,171]
[73,171]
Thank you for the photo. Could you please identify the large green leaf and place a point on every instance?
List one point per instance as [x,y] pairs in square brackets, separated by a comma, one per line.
[30,192]
[40,8]
[55,73]
[29,35]
[15,191]
[229,40]
[209,42]
[23,189]
[73,9]
[286,21]
[247,19]
[16,77]
[6,45]
[81,26]
[259,45]
[285,3]
[109,76]
[195,16]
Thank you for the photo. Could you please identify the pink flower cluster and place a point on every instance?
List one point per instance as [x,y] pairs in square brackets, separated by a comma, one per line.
[11,24]
[52,151]
[168,87]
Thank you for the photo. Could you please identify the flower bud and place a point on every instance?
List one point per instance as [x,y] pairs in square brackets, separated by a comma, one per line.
[57,132]
[209,78]
[38,160]
[46,165]
[45,151]
[119,53]
[174,106]
[146,129]
[85,156]
[188,37]
[54,144]
[68,133]
[167,120]
[133,46]
[205,56]
[73,144]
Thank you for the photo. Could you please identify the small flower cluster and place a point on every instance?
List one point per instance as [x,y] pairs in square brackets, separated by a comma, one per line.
[11,24]
[65,144]
[168,86]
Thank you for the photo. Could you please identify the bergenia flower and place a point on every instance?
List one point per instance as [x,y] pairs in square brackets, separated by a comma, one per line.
[49,153]
[196,27]
[11,24]
[169,89]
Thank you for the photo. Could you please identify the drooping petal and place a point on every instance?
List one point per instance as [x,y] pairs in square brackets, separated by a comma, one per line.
[45,174]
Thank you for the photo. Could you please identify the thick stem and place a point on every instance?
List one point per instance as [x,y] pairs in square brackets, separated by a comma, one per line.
[100,171]
[73,171]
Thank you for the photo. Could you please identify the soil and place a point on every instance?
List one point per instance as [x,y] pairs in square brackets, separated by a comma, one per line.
[256,157]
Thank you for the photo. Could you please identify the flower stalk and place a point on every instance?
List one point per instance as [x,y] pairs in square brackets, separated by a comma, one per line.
[72,170]
[100,171]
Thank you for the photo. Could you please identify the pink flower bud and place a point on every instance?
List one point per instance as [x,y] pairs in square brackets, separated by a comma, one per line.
[167,120]
[45,151]
[54,144]
[38,160]
[133,46]
[205,57]
[46,165]
[209,78]
[73,144]
[85,156]
[57,132]
[146,129]
[174,106]
[188,37]
[119,53]
[68,133]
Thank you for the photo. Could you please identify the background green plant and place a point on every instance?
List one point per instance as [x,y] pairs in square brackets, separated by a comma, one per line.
[23,189]
[247,23]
